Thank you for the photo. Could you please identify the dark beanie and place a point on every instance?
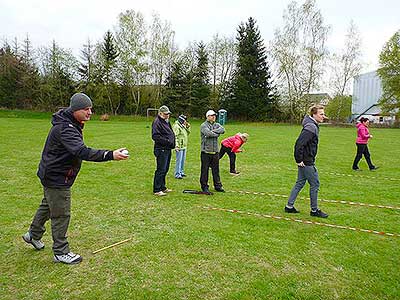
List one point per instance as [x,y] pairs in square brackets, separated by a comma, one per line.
[79,101]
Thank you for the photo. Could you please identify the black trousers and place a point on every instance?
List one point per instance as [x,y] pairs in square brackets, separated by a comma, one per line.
[163,157]
[232,157]
[362,149]
[210,161]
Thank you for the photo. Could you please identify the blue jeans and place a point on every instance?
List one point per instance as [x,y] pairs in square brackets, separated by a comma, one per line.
[163,157]
[310,174]
[180,163]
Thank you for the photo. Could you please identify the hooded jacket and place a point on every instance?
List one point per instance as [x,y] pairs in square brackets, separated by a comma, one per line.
[362,134]
[181,135]
[64,151]
[306,147]
[233,142]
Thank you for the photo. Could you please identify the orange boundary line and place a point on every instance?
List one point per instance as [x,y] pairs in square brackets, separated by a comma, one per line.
[301,221]
[324,200]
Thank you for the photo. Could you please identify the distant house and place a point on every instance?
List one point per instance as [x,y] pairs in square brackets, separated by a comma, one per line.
[367,91]
[319,98]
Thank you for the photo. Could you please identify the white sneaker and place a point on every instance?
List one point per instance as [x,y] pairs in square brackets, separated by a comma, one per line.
[167,190]
[69,258]
[160,193]
[38,244]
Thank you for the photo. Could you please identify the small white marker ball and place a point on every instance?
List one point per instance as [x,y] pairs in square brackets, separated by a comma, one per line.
[126,152]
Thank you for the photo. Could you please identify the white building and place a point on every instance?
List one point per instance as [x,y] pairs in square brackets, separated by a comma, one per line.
[367,91]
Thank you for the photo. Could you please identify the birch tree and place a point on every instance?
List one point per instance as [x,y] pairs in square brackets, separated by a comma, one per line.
[132,45]
[347,63]
[161,50]
[299,52]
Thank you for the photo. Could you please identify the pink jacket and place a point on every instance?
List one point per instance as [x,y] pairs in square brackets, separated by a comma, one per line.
[233,142]
[362,134]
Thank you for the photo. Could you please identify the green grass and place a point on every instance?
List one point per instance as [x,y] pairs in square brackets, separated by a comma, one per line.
[181,251]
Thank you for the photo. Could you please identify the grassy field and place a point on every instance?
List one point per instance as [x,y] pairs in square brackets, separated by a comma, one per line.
[180,250]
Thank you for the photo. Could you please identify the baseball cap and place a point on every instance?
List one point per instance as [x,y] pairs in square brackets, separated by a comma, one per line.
[211,113]
[164,109]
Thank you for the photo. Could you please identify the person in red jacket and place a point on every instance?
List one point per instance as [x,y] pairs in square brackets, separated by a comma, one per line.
[231,146]
[362,144]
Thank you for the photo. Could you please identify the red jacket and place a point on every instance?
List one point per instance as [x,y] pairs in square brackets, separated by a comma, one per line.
[233,142]
[362,134]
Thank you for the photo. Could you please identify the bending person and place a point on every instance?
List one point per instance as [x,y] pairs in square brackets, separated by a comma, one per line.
[231,146]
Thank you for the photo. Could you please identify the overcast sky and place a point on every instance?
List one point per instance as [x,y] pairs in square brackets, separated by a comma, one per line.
[72,22]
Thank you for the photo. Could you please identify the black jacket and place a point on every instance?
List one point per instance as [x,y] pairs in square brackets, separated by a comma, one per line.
[306,147]
[162,134]
[64,151]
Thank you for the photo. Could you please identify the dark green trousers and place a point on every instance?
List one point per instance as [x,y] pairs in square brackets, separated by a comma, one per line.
[56,206]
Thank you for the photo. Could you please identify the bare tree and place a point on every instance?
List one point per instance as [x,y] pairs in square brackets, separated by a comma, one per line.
[299,52]
[222,58]
[132,46]
[161,52]
[347,63]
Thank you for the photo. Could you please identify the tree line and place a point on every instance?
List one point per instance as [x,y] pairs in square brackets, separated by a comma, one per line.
[138,65]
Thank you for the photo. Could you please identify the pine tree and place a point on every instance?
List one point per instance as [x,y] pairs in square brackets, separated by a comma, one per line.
[200,93]
[176,95]
[109,54]
[87,64]
[252,94]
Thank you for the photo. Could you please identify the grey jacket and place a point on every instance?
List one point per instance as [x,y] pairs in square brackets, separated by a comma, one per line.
[209,133]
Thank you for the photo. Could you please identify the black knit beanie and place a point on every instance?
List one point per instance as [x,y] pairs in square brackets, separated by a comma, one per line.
[79,101]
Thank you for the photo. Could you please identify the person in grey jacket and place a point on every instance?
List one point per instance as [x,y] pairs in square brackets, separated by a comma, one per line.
[61,161]
[209,132]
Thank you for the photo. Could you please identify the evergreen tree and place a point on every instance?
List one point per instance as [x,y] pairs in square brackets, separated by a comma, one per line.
[109,54]
[19,78]
[176,94]
[86,66]
[57,84]
[200,92]
[30,80]
[252,94]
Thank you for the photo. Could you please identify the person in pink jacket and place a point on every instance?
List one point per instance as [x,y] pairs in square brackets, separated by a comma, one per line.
[231,146]
[362,144]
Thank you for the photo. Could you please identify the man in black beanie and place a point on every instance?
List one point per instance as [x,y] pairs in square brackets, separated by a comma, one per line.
[61,161]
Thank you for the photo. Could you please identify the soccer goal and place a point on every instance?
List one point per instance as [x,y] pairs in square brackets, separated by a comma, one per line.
[151,112]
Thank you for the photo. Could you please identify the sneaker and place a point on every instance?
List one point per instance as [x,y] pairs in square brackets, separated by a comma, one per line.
[318,213]
[206,190]
[234,173]
[69,258]
[167,190]
[38,244]
[160,193]
[183,175]
[374,168]
[221,190]
[291,210]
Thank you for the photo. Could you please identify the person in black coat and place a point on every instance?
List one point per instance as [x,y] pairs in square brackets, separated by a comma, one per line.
[305,151]
[164,141]
[59,166]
